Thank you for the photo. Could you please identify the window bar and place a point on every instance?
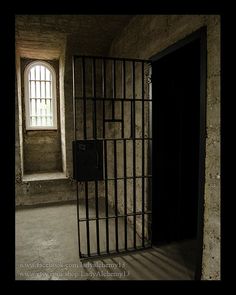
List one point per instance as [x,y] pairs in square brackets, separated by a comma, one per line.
[115,187]
[85,137]
[41,111]
[46,101]
[31,104]
[124,152]
[134,157]
[50,107]
[95,137]
[51,102]
[75,137]
[105,154]
[36,100]
[39,93]
[46,110]
[143,157]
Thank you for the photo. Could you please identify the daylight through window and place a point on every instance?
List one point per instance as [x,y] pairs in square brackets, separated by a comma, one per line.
[40,97]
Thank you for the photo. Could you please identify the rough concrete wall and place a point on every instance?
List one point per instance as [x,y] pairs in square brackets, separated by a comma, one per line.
[148,35]
[212,234]
[42,152]
[62,107]
[36,192]
[17,139]
[58,37]
[75,47]
[18,132]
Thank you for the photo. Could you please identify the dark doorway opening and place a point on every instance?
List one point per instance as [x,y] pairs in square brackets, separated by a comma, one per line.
[178,93]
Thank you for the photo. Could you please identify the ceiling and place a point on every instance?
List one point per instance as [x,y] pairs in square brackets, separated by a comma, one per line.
[48,33]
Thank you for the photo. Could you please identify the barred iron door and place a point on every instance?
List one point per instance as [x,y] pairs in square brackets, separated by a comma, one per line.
[111,154]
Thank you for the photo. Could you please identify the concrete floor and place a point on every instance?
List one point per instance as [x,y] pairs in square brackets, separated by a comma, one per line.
[47,249]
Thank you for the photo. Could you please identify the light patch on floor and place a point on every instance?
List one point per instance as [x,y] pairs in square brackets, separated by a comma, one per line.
[47,249]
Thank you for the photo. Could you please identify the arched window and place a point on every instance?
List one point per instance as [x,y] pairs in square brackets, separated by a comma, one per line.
[40,96]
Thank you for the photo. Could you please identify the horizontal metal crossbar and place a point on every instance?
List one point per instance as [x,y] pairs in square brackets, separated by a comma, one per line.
[112,58]
[113,120]
[85,257]
[112,99]
[115,216]
[118,139]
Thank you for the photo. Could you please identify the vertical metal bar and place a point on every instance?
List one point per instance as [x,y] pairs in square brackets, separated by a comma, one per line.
[115,187]
[131,119]
[74,93]
[114,89]
[143,157]
[75,137]
[180,163]
[105,156]
[122,103]
[87,217]
[149,157]
[84,98]
[134,158]
[124,154]
[125,194]
[94,101]
[97,216]
[104,94]
[95,137]
[106,196]
[85,137]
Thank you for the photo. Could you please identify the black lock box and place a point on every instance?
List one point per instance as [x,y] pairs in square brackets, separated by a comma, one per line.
[87,160]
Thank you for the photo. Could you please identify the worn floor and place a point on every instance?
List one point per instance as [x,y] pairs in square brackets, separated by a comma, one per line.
[47,249]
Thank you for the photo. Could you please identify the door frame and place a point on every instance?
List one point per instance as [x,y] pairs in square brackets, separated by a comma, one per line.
[200,34]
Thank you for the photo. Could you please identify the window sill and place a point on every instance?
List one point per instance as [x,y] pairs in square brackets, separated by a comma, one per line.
[44,176]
